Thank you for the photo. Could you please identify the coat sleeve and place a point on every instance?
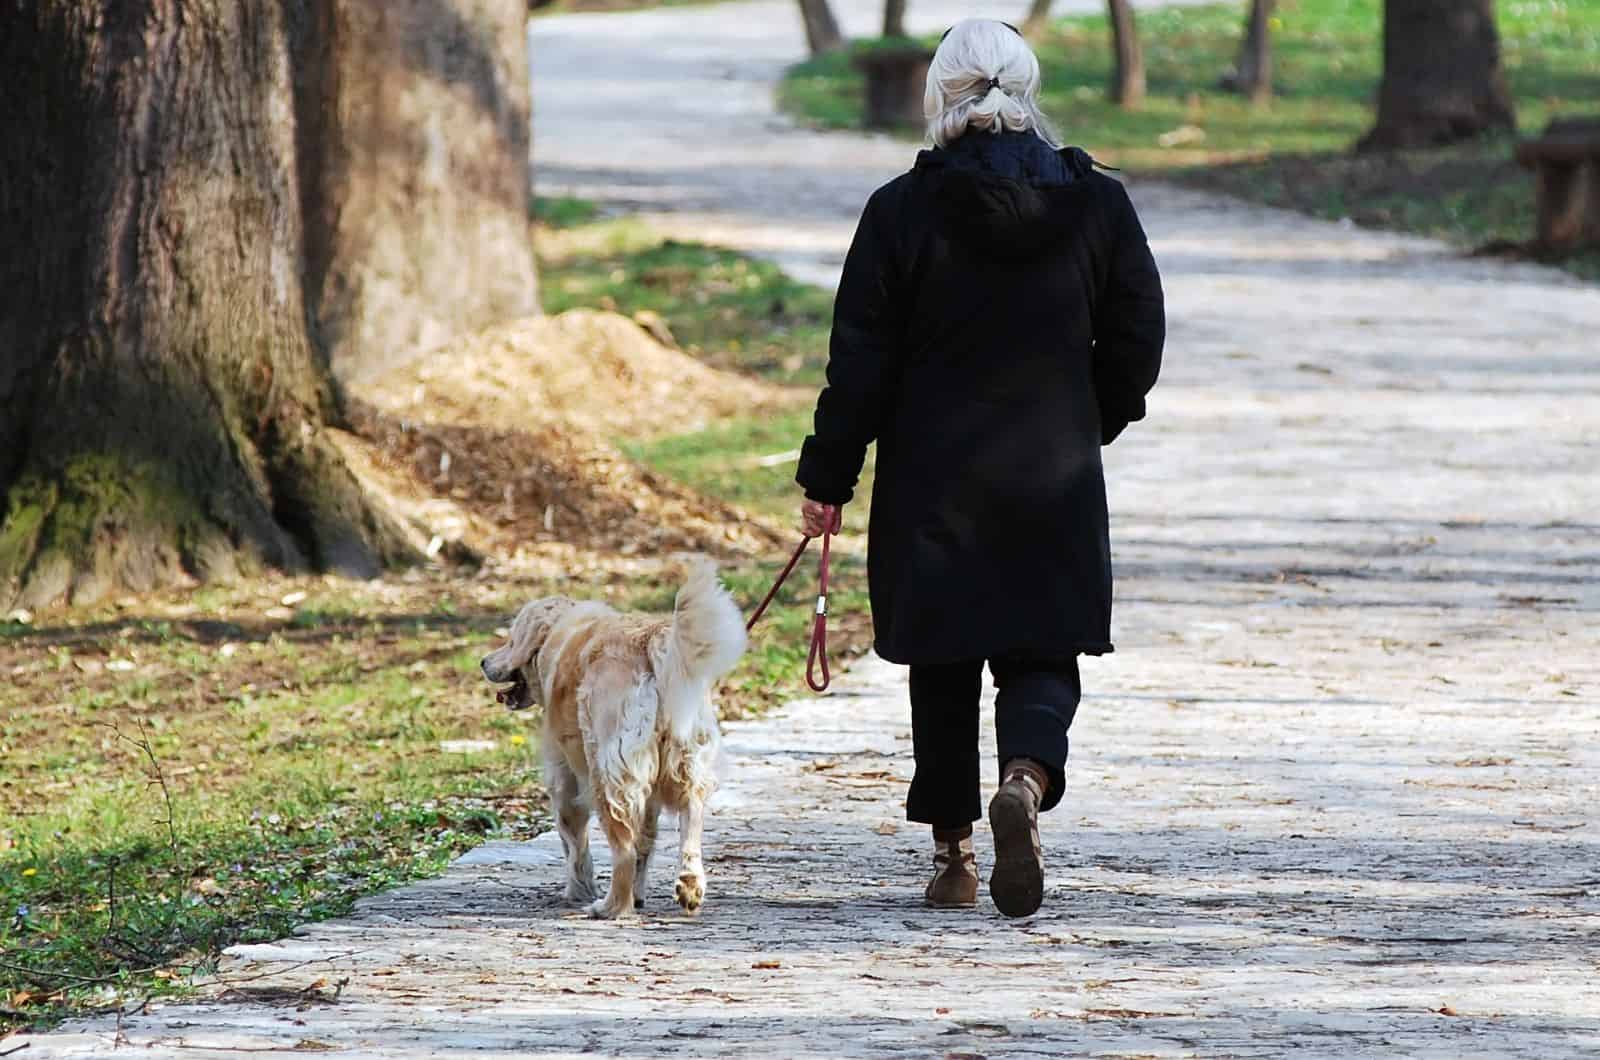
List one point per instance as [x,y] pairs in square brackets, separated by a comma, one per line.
[863,352]
[1130,324]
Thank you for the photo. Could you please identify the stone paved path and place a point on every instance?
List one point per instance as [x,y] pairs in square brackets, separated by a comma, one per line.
[1334,795]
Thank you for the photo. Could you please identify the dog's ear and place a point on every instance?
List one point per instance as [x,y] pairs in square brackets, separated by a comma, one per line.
[527,637]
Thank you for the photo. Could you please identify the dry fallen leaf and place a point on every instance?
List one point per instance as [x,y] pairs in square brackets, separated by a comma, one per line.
[888,828]
[767,964]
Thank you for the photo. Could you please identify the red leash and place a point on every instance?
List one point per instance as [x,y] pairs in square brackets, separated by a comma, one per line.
[819,630]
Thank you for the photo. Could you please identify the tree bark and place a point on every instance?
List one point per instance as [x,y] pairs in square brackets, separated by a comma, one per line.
[894,18]
[1252,72]
[1038,17]
[822,29]
[180,204]
[1127,75]
[1442,77]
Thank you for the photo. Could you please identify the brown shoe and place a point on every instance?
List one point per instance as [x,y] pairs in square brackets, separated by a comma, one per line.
[1017,883]
[955,871]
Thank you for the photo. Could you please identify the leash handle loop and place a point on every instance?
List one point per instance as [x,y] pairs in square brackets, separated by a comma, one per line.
[819,629]
[817,657]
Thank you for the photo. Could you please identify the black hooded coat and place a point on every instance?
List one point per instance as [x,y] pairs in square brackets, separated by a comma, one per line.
[1000,318]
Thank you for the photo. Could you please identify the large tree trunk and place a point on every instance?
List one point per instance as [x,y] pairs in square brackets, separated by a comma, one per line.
[176,201]
[822,29]
[1442,78]
[1038,18]
[1252,72]
[894,18]
[1127,75]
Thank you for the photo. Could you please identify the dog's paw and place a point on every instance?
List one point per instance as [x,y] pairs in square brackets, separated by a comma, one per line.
[578,894]
[691,891]
[602,909]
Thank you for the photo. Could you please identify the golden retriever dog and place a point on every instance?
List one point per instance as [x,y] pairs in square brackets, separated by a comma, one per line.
[629,728]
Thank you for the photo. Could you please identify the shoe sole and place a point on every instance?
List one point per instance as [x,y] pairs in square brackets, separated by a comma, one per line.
[1017,883]
[931,904]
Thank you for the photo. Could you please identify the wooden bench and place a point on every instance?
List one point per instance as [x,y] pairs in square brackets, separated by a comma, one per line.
[896,78]
[1566,166]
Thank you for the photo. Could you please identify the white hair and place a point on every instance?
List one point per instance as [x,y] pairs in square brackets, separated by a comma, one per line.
[961,94]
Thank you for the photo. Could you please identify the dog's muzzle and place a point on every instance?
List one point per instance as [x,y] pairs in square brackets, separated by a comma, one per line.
[517,695]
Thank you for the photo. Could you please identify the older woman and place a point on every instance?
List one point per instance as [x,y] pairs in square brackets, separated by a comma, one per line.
[999,320]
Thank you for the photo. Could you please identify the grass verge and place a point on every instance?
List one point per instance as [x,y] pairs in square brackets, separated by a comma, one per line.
[207,772]
[730,310]
[1295,151]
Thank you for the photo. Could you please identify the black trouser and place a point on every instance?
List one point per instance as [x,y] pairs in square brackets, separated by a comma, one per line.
[1033,710]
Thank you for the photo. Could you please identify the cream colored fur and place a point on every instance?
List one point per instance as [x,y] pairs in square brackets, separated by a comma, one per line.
[629,727]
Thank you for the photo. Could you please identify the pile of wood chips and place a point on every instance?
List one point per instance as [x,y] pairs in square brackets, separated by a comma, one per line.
[598,371]
[497,447]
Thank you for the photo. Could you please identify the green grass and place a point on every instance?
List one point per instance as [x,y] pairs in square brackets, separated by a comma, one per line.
[1294,150]
[173,786]
[750,462]
[562,211]
[728,309]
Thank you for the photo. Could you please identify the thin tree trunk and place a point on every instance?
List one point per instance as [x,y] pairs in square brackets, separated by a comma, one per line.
[822,29]
[1442,76]
[1038,17]
[176,196]
[894,18]
[1252,72]
[1127,77]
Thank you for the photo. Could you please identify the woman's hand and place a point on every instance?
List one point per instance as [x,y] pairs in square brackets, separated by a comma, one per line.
[817,519]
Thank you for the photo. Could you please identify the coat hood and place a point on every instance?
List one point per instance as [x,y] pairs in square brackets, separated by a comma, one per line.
[1002,193]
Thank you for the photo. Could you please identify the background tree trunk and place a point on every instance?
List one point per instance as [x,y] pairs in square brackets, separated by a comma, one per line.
[1442,78]
[1038,17]
[426,182]
[1127,74]
[1252,71]
[177,205]
[894,18]
[822,29]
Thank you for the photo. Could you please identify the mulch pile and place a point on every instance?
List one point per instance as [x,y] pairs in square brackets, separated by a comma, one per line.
[597,371]
[496,447]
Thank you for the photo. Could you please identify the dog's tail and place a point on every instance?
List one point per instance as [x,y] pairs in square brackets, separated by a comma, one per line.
[707,639]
